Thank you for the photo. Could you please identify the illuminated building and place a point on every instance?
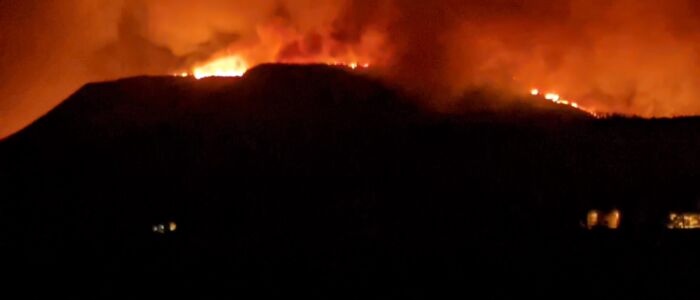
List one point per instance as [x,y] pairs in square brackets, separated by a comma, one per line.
[164,228]
[599,219]
[683,221]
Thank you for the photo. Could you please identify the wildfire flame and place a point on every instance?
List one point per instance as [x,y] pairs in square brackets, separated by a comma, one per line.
[552,97]
[556,98]
[237,66]
[351,65]
[229,66]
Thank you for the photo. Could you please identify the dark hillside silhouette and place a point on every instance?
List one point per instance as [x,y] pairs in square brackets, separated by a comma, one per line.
[317,180]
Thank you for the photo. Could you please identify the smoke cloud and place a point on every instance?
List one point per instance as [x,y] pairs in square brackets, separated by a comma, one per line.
[627,56]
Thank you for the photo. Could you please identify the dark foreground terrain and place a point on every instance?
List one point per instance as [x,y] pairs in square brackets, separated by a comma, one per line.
[316,182]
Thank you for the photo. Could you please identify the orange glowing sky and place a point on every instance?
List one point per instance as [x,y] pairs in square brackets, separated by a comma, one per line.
[626,56]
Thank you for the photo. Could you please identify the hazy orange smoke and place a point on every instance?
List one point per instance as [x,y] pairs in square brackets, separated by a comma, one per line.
[628,56]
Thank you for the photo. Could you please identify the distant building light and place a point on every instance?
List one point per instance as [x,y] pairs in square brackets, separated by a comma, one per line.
[610,220]
[683,221]
[162,228]
[592,219]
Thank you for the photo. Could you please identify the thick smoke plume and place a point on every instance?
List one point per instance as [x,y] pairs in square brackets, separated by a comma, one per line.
[627,56]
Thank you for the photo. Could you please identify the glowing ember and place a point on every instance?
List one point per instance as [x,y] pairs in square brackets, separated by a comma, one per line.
[230,66]
[534,92]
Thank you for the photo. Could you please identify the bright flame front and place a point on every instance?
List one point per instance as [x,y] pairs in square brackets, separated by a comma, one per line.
[556,98]
[229,66]
[236,66]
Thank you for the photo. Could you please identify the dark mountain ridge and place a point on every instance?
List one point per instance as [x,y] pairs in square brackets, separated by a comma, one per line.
[324,175]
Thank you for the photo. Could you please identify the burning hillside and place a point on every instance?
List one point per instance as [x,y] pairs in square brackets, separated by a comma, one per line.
[557,99]
[298,145]
[622,56]
[236,66]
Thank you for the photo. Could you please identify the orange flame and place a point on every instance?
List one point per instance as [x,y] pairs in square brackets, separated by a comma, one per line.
[229,66]
[556,98]
[237,66]
[352,65]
